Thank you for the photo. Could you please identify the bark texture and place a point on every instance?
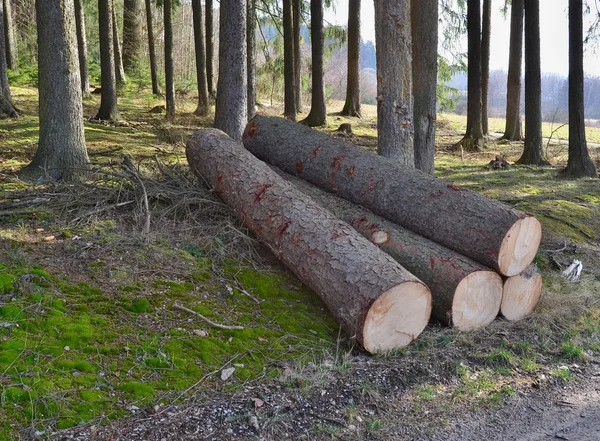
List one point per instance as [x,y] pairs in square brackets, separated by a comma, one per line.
[232,100]
[521,293]
[251,55]
[289,99]
[579,165]
[465,294]
[486,36]
[132,34]
[425,41]
[82,47]
[318,112]
[12,56]
[6,103]
[169,67]
[108,99]
[61,148]
[297,16]
[210,47]
[395,127]
[119,70]
[485,230]
[203,107]
[352,104]
[151,49]
[532,153]
[371,295]
[514,128]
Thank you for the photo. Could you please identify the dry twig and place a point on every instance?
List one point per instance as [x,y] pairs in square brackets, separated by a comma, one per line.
[207,320]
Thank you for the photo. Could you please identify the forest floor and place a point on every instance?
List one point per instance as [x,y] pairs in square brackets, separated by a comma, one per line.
[94,346]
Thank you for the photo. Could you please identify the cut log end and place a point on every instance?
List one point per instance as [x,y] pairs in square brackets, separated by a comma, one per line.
[521,294]
[519,246]
[397,317]
[476,300]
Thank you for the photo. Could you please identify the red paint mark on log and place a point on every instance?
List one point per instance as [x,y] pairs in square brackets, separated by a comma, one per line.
[260,194]
[336,164]
[284,227]
[220,177]
[454,187]
[337,235]
[299,168]
[315,152]
[350,171]
[372,185]
[252,129]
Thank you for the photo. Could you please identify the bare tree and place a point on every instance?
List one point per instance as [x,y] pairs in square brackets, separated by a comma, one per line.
[251,53]
[289,96]
[151,49]
[108,99]
[514,128]
[82,47]
[6,103]
[210,47]
[169,69]
[297,16]
[352,104]
[132,33]
[12,59]
[318,112]
[486,35]
[202,109]
[119,70]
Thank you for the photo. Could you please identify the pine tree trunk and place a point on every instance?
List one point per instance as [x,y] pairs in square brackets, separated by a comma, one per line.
[169,68]
[297,54]
[151,49]
[6,103]
[82,47]
[108,99]
[486,36]
[12,58]
[132,34]
[532,153]
[395,129]
[375,300]
[61,147]
[467,222]
[251,53]
[318,113]
[352,104]
[119,71]
[465,294]
[289,99]
[521,293]
[514,128]
[210,47]
[425,41]
[203,107]
[232,96]
[579,165]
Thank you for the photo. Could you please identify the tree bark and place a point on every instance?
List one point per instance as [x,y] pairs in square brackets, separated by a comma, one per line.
[374,299]
[485,230]
[532,153]
[12,58]
[486,36]
[203,107]
[521,293]
[6,103]
[169,68]
[151,50]
[352,104]
[465,294]
[82,47]
[514,127]
[132,34]
[210,46]
[232,96]
[318,113]
[289,99]
[579,165]
[297,16]
[395,127]
[425,41]
[108,99]
[61,147]
[251,53]
[119,70]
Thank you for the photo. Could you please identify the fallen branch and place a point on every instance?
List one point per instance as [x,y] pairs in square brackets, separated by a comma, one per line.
[130,167]
[207,320]
[102,209]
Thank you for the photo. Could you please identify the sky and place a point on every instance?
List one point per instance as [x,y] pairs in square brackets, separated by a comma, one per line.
[554,35]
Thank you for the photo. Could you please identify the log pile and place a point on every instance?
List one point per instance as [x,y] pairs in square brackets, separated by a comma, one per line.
[385,247]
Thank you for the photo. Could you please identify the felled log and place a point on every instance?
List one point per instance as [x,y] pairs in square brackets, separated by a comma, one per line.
[521,293]
[485,230]
[375,300]
[465,294]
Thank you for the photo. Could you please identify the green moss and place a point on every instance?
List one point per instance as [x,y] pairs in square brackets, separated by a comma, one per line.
[7,282]
[140,305]
[138,390]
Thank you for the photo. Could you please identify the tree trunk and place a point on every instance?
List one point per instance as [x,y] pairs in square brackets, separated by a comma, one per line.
[232,93]
[6,103]
[465,294]
[132,34]
[318,113]
[251,53]
[210,46]
[521,293]
[12,58]
[61,147]
[203,107]
[532,153]
[151,50]
[486,36]
[352,104]
[169,68]
[485,230]
[108,99]
[473,140]
[374,299]
[425,41]
[119,70]
[579,164]
[395,128]
[514,128]
[289,99]
[297,12]
[82,47]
